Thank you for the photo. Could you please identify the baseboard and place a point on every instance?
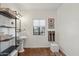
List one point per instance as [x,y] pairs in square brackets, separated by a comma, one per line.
[37,47]
[63,54]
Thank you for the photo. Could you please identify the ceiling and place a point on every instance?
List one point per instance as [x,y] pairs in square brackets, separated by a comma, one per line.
[38,6]
[23,7]
[35,6]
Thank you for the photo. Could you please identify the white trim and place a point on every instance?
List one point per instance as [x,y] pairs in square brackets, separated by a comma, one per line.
[37,47]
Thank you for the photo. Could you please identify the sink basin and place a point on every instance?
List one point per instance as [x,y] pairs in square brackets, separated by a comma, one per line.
[22,37]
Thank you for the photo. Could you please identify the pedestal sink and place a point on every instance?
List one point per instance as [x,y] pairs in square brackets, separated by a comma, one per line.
[22,38]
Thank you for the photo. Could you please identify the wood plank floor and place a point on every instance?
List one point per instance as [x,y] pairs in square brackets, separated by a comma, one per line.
[37,52]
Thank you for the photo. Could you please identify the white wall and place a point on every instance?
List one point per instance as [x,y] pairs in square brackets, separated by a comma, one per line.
[67,28]
[27,23]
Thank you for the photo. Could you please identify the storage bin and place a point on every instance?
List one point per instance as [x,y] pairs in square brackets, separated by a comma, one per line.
[54,47]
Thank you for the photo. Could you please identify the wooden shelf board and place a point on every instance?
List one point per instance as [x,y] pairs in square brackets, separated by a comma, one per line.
[6,26]
[6,39]
[8,13]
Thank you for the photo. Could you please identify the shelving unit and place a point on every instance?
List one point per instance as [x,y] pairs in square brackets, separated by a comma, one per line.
[12,15]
